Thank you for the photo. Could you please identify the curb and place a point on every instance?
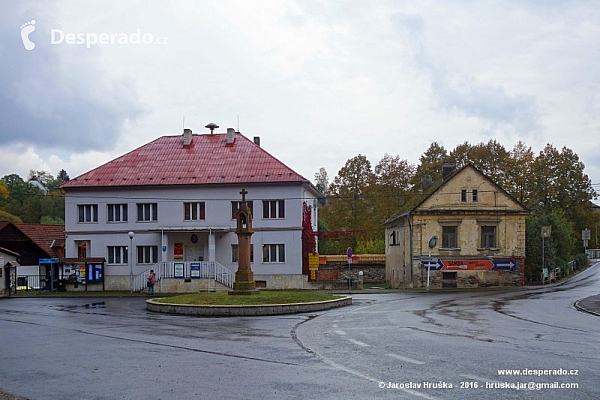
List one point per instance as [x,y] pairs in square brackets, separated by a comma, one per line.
[579,307]
[245,310]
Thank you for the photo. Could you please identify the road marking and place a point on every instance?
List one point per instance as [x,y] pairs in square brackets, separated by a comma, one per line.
[340,332]
[480,379]
[359,343]
[407,359]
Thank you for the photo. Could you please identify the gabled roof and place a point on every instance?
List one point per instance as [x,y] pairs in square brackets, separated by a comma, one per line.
[440,185]
[209,159]
[45,237]
[48,238]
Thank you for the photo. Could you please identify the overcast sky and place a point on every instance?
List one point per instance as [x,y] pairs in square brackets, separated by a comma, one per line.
[319,82]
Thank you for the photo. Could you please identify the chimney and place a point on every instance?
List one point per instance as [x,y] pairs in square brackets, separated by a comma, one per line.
[257,140]
[230,135]
[187,137]
[447,169]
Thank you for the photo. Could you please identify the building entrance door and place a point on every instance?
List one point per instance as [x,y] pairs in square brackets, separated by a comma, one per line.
[194,253]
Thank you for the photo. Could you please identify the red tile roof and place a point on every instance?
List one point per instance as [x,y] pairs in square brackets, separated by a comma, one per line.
[44,236]
[207,160]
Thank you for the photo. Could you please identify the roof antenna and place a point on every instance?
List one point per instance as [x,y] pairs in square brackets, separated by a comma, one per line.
[212,126]
[184,122]
[238,116]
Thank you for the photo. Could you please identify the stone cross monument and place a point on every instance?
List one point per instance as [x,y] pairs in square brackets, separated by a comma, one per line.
[244,277]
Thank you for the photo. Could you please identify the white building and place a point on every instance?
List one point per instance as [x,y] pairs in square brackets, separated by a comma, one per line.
[177,195]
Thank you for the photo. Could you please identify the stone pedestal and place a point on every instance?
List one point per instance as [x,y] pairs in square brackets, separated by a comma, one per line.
[244,277]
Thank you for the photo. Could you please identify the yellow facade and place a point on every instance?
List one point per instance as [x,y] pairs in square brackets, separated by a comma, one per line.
[480,230]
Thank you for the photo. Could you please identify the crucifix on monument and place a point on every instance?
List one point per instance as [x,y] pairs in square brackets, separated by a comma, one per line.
[244,278]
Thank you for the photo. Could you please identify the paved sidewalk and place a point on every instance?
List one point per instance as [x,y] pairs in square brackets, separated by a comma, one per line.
[589,304]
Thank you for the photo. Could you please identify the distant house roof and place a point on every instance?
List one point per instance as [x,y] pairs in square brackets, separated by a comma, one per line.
[208,159]
[34,181]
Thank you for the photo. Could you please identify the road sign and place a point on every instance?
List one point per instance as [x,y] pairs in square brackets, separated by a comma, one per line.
[504,265]
[431,263]
[585,234]
[463,265]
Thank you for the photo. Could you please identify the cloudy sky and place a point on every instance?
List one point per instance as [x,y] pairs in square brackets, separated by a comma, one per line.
[319,82]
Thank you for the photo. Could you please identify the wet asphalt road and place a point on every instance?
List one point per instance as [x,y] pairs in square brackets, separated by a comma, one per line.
[415,345]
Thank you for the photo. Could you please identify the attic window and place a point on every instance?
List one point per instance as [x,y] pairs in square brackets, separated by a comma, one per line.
[475,196]
[463,195]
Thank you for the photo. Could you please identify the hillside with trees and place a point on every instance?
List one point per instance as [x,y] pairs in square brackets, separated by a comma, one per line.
[23,202]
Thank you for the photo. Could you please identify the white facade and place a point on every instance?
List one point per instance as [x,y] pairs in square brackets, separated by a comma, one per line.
[95,226]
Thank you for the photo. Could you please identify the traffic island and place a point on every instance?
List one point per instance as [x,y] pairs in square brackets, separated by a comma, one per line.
[249,305]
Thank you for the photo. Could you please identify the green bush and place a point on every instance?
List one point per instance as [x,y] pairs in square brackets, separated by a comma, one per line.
[581,260]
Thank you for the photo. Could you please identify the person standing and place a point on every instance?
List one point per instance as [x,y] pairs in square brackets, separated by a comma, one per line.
[151,281]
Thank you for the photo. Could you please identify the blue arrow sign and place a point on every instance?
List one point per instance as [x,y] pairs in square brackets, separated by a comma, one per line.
[504,265]
[432,263]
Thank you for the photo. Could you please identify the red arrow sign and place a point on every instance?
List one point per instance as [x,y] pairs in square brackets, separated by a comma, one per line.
[464,265]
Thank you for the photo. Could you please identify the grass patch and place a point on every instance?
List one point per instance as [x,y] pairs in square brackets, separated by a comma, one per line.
[262,298]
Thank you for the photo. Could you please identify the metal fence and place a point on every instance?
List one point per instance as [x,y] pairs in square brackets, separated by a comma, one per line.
[28,282]
[194,269]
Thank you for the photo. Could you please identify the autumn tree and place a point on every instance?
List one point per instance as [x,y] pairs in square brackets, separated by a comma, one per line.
[392,184]
[519,173]
[349,207]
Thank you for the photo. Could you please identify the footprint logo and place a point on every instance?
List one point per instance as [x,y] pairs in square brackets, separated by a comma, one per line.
[26,29]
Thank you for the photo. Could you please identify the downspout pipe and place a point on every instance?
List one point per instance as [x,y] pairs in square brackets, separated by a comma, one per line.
[410,236]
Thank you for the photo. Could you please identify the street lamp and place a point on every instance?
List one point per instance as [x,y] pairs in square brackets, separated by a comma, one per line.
[130,259]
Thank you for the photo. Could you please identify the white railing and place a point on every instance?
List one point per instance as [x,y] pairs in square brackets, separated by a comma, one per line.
[593,255]
[179,269]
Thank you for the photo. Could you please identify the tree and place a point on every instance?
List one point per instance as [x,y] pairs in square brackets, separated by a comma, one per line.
[519,172]
[491,158]
[3,195]
[393,177]
[562,185]
[349,207]
[322,180]
[63,176]
[430,167]
[556,249]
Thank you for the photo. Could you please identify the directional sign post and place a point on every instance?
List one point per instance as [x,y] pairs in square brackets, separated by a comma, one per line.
[432,243]
[585,236]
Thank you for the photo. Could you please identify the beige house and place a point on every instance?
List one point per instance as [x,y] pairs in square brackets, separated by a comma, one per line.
[466,232]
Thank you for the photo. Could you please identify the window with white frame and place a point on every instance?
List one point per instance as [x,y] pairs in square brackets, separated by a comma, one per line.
[147,254]
[194,211]
[117,254]
[88,212]
[117,212]
[273,253]
[147,212]
[235,253]
[273,209]
[235,205]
